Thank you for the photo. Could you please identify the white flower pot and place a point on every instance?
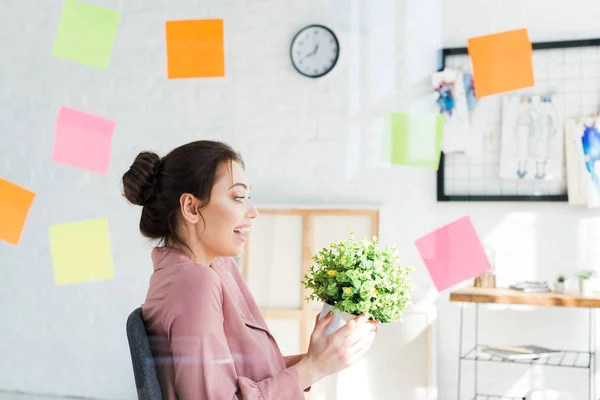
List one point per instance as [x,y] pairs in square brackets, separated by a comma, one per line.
[559,288]
[585,286]
[339,319]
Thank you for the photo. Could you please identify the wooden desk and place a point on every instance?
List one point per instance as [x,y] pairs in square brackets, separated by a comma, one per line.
[516,297]
[510,296]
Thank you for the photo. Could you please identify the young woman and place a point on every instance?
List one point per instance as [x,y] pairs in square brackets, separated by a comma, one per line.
[208,336]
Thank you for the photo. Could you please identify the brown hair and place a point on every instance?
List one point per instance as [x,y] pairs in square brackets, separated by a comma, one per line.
[157,184]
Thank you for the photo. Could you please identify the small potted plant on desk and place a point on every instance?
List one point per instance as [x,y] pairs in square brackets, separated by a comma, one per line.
[353,278]
[585,283]
[559,286]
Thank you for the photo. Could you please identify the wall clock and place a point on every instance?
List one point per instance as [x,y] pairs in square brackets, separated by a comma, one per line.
[314,51]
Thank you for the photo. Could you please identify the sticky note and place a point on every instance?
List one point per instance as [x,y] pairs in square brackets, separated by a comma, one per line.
[83,140]
[195,49]
[86,34]
[501,62]
[81,252]
[15,203]
[453,253]
[413,139]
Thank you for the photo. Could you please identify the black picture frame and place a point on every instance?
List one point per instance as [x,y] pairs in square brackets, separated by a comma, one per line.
[337,56]
[441,195]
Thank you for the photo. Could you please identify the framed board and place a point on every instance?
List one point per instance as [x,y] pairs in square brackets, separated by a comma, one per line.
[568,69]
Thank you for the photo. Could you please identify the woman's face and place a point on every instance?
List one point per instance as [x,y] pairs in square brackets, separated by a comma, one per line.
[228,215]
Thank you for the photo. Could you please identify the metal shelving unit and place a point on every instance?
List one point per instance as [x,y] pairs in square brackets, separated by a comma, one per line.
[582,360]
[568,359]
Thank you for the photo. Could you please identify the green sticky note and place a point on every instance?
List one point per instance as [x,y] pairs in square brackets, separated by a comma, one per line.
[81,252]
[86,34]
[413,139]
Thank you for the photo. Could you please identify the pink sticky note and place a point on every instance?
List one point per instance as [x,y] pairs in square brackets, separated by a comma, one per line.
[83,140]
[453,253]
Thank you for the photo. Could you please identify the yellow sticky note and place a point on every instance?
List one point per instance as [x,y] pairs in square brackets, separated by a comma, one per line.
[81,252]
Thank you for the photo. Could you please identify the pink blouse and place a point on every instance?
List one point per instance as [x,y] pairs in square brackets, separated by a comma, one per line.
[208,337]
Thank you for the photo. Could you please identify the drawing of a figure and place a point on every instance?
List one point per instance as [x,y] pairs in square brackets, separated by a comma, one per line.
[542,146]
[445,99]
[532,142]
[524,132]
[591,152]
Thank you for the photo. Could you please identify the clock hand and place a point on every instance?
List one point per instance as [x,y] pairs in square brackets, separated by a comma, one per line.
[312,52]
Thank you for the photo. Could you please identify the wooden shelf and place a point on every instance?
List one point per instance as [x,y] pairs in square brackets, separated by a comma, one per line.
[509,296]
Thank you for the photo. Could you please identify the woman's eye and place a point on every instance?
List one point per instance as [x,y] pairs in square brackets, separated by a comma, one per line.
[239,199]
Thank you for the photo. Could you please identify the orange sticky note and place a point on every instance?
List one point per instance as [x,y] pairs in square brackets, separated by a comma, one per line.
[195,49]
[15,203]
[502,62]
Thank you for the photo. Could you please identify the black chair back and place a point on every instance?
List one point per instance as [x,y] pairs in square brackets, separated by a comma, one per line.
[144,369]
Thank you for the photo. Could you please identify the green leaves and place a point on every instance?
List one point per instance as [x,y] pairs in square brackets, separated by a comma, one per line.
[360,278]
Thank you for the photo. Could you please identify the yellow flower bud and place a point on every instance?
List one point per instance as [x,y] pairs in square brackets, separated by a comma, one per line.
[331,272]
[332,245]
[343,260]
[347,290]
[376,292]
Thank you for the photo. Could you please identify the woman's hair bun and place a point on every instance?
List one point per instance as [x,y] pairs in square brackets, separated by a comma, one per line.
[140,182]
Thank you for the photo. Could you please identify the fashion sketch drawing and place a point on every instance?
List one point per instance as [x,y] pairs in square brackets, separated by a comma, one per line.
[532,138]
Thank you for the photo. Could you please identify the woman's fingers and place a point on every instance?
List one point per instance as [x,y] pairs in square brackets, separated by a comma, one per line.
[363,344]
[350,326]
[358,333]
[354,357]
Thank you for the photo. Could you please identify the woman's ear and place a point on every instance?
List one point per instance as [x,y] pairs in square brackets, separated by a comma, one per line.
[190,208]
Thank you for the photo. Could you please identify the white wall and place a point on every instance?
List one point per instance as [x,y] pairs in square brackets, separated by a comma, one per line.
[294,135]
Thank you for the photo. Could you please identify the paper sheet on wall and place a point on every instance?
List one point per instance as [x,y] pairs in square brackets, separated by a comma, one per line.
[532,142]
[15,203]
[81,252]
[583,162]
[456,101]
[83,140]
[453,253]
[575,187]
[86,34]
[502,62]
[195,49]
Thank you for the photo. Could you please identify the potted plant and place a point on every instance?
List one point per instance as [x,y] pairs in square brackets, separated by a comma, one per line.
[353,278]
[585,284]
[559,286]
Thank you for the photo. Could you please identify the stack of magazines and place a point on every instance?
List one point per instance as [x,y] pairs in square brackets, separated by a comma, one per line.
[513,353]
[531,287]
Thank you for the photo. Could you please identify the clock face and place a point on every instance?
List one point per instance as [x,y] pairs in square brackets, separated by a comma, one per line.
[314,51]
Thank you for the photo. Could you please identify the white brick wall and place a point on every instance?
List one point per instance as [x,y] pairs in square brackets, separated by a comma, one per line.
[291,130]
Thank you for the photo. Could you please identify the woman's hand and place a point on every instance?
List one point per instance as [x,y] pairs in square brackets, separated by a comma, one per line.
[331,354]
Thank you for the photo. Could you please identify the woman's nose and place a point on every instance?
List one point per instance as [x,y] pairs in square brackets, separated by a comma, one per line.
[252,212]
